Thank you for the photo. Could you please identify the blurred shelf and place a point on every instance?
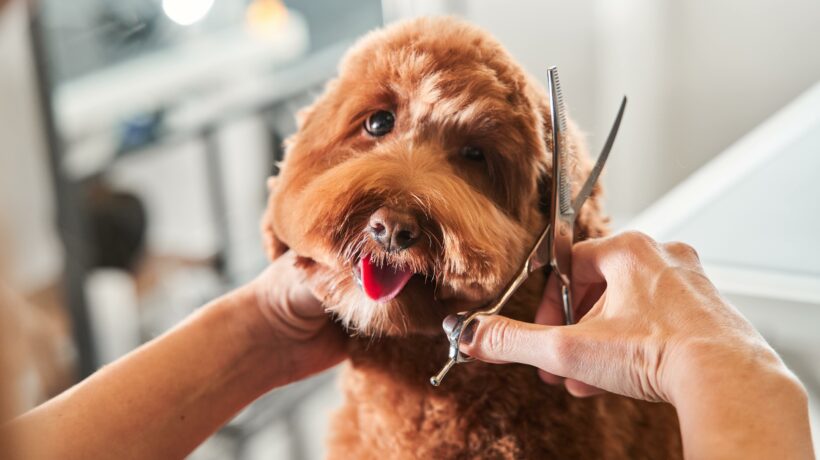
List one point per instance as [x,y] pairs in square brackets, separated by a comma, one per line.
[95,103]
[187,119]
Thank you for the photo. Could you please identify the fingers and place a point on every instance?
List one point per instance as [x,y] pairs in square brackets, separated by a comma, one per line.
[615,259]
[619,256]
[682,254]
[284,295]
[551,379]
[580,389]
[550,311]
[298,295]
[503,340]
[576,388]
[609,278]
[551,349]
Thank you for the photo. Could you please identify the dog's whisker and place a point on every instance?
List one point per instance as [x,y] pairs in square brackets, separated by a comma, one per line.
[405,328]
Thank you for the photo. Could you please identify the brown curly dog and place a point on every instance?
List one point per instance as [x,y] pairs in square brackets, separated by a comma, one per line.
[411,191]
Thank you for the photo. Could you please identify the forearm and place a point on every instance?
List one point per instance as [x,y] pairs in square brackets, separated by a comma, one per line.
[744,407]
[161,400]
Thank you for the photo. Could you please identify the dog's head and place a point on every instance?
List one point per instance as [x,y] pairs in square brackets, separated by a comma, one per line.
[415,184]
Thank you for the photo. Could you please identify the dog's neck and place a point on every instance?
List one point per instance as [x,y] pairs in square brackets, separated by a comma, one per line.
[414,358]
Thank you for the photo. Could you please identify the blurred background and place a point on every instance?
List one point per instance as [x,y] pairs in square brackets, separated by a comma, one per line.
[136,136]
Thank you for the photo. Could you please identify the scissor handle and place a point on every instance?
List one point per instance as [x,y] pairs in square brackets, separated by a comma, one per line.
[455,356]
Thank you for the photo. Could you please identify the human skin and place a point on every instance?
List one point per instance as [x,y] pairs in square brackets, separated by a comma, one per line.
[655,328]
[165,398]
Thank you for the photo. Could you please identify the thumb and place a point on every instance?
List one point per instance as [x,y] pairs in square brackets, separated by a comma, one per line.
[502,340]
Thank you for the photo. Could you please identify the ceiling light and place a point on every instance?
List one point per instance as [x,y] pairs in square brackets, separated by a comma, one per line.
[186,12]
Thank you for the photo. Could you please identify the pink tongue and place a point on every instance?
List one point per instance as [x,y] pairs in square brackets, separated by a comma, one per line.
[382,283]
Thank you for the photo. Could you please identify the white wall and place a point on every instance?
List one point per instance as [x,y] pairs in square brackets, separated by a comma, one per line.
[731,64]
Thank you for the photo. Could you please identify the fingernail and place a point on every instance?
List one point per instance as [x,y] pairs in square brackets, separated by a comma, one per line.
[468,333]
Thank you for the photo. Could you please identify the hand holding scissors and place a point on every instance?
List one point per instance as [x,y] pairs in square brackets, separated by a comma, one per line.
[553,247]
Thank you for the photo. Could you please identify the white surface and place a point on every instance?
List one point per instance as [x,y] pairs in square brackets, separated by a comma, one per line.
[113,310]
[749,153]
[754,209]
[631,44]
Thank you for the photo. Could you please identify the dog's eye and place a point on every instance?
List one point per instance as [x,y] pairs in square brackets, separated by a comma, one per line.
[379,123]
[472,153]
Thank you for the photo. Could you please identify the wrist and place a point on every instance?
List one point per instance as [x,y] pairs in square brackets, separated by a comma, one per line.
[714,365]
[249,336]
[740,398]
[277,345]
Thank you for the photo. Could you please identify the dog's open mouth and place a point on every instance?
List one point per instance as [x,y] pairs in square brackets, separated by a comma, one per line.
[381,282]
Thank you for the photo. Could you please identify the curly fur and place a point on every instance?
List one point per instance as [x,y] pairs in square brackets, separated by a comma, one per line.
[450,85]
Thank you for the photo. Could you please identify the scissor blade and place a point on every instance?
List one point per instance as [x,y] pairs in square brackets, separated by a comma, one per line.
[562,188]
[540,254]
[582,196]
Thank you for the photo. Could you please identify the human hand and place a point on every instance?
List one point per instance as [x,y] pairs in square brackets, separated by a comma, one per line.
[286,319]
[651,323]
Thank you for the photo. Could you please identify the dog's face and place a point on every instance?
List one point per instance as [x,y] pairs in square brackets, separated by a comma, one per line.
[411,190]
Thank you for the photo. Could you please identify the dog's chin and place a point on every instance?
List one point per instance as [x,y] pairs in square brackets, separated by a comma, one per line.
[389,300]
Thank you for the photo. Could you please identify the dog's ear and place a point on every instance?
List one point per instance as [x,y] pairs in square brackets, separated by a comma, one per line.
[318,128]
[273,245]
[544,184]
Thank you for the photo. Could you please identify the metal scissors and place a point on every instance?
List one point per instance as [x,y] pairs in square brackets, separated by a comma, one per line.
[553,247]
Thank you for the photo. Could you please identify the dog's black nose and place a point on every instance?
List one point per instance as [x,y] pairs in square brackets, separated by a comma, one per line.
[393,230]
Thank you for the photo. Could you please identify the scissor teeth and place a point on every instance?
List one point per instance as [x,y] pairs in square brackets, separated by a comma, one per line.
[559,101]
[564,192]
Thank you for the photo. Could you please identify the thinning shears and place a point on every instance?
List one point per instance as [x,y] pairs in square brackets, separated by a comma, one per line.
[553,247]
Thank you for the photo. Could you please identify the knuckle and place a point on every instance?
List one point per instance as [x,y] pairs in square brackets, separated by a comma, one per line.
[668,274]
[499,338]
[681,250]
[638,240]
[563,344]
[668,279]
[564,348]
[637,249]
